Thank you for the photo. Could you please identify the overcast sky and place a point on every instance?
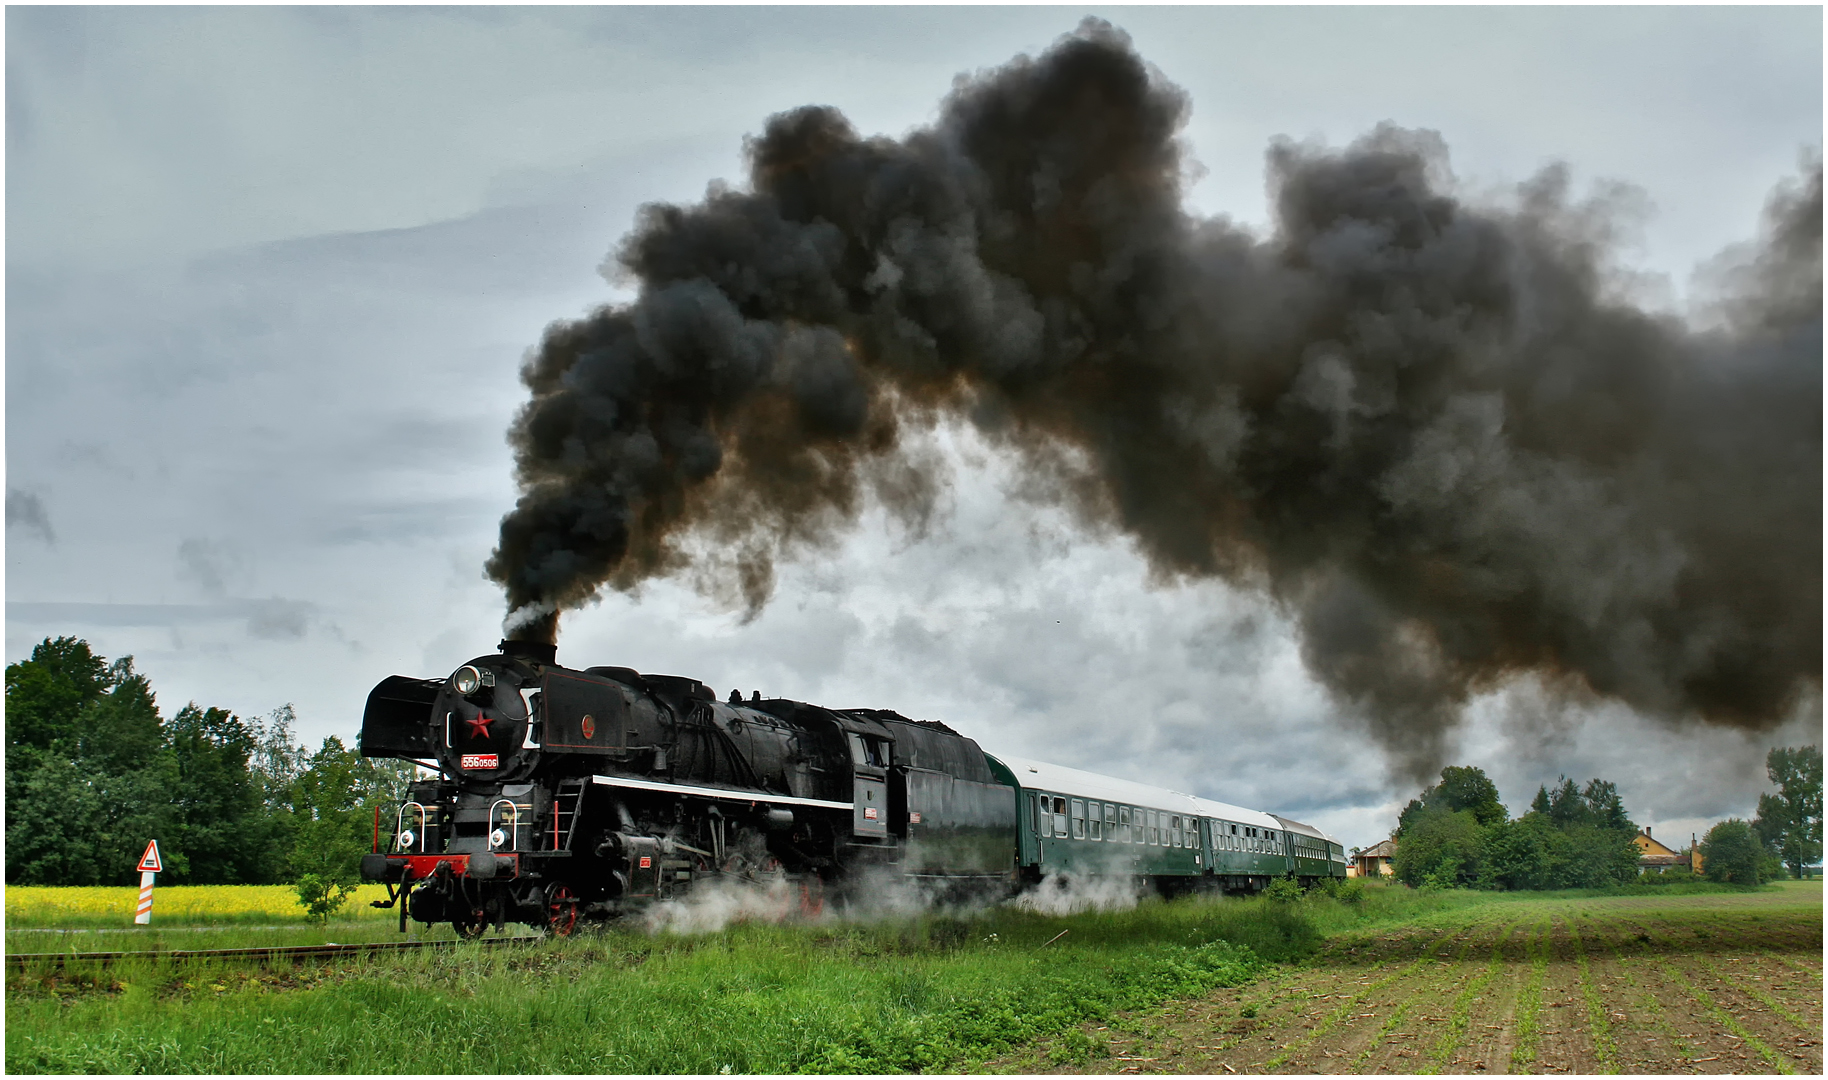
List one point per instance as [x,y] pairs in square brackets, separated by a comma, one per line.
[270,274]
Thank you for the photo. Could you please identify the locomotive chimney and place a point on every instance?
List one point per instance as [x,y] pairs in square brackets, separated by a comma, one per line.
[534,652]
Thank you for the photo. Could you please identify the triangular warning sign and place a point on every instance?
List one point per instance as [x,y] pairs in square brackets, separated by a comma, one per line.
[150,860]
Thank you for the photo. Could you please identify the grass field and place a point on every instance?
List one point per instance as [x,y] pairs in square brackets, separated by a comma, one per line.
[1698,983]
[1405,982]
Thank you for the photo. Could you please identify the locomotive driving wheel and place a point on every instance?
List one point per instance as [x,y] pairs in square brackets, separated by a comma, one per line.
[561,910]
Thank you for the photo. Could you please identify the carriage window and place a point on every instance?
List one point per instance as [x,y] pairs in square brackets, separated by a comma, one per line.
[1123,824]
[1110,822]
[1174,832]
[1034,813]
[1059,816]
[1094,823]
[1155,828]
[1079,819]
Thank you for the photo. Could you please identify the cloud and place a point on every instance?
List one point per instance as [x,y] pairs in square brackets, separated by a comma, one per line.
[25,511]
[272,619]
[207,565]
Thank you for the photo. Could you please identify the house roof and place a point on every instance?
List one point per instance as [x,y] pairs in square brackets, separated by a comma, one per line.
[1651,845]
[1383,849]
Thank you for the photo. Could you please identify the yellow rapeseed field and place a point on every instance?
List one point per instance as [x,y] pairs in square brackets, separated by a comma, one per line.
[107,905]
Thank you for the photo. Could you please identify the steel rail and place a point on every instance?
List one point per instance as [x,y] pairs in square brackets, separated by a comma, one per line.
[268,952]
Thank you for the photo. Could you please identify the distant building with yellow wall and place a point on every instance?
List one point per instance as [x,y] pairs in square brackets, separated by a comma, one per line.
[1653,854]
[1375,861]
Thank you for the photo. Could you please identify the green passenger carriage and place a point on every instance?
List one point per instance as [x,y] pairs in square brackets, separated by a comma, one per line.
[1084,824]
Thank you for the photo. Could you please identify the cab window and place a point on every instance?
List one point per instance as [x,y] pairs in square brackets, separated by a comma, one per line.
[868,750]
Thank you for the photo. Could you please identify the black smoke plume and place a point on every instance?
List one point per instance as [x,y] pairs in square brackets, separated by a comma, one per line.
[1437,434]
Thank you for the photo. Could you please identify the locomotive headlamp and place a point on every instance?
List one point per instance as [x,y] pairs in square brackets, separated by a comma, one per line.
[497,838]
[469,679]
[407,838]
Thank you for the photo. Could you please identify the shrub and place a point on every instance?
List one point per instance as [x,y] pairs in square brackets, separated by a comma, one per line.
[1732,854]
[1283,890]
[322,897]
[1344,890]
[1679,874]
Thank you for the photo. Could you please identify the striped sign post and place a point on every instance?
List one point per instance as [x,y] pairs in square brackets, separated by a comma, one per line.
[149,868]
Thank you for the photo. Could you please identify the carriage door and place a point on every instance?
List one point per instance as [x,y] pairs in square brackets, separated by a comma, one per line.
[1032,841]
[870,813]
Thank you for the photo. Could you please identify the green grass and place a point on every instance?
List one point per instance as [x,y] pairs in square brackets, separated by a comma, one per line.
[936,992]
[1529,999]
[892,996]
[1599,1024]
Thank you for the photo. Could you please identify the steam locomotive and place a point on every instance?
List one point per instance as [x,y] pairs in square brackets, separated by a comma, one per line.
[564,795]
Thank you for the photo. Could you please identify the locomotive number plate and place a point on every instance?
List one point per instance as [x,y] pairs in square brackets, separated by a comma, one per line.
[647,861]
[481,761]
[914,818]
[869,813]
[589,725]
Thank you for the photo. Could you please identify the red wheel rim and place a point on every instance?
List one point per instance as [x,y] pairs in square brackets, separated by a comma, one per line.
[561,911]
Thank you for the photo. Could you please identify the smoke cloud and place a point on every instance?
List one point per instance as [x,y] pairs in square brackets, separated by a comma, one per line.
[1438,433]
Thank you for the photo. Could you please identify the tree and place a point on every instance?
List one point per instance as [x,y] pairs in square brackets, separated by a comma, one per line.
[1789,822]
[46,694]
[93,772]
[1605,810]
[1462,788]
[334,800]
[1440,847]
[1534,852]
[89,779]
[1732,853]
[219,822]
[1518,853]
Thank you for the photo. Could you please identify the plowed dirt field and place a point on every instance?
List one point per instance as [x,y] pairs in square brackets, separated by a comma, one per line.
[1692,984]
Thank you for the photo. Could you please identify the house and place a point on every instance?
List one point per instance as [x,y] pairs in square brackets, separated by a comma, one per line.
[1374,861]
[1654,856]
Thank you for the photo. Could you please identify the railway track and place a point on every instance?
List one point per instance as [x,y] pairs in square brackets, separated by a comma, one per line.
[270,952]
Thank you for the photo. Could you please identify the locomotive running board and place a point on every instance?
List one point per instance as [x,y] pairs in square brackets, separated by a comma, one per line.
[719,793]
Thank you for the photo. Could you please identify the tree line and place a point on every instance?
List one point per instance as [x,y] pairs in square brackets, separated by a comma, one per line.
[93,771]
[1457,834]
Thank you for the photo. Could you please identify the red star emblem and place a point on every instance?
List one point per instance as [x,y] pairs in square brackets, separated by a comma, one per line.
[479,726]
